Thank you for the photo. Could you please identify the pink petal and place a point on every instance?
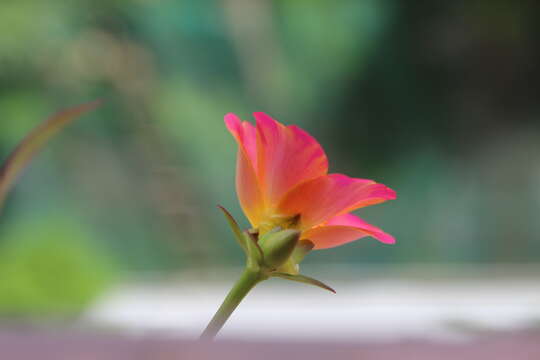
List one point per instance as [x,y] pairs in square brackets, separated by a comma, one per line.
[245,134]
[343,229]
[247,186]
[287,156]
[325,197]
[354,221]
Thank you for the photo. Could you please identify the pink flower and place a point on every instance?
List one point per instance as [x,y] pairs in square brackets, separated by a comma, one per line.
[282,181]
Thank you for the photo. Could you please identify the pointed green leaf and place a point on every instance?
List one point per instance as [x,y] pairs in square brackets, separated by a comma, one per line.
[240,238]
[33,142]
[303,279]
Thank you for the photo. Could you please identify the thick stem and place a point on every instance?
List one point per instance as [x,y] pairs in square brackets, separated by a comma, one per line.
[247,281]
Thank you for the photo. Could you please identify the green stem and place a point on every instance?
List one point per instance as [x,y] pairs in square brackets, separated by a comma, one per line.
[247,281]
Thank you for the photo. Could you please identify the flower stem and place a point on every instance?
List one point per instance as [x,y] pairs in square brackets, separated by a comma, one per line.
[247,281]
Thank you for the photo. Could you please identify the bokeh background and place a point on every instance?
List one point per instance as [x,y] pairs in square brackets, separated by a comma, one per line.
[438,100]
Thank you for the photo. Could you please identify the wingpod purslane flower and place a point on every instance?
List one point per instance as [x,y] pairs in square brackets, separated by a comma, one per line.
[293,205]
[282,174]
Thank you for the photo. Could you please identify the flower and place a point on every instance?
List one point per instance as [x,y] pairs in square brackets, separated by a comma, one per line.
[293,204]
[282,181]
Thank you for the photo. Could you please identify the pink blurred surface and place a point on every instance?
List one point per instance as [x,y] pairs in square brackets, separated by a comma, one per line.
[31,344]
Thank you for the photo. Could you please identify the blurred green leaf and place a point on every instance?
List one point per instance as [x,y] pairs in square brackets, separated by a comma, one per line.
[33,142]
[55,270]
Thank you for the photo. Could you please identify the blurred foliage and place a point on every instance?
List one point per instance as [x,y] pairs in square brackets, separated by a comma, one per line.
[433,99]
[50,266]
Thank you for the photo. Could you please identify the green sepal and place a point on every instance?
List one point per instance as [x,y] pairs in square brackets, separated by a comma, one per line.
[235,229]
[278,247]
[303,279]
[289,267]
[247,241]
[302,249]
[254,252]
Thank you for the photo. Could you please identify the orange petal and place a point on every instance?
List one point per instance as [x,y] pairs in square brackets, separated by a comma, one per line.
[247,186]
[343,229]
[325,197]
[287,156]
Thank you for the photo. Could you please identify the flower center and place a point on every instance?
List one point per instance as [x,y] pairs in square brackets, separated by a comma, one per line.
[278,221]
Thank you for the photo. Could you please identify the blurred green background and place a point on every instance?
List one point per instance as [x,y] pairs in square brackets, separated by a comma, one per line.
[435,99]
